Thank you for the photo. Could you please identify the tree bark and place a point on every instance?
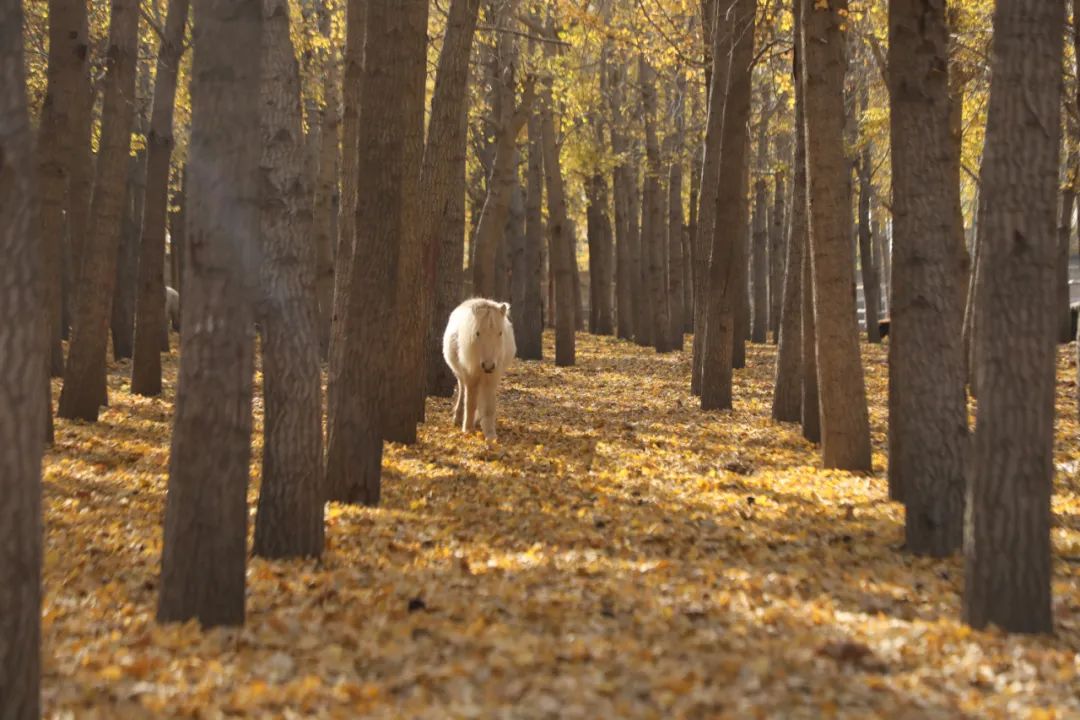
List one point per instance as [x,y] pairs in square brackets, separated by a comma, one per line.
[735,40]
[1062,301]
[355,32]
[928,433]
[204,556]
[638,218]
[563,262]
[354,457]
[84,378]
[404,393]
[759,265]
[529,317]
[326,192]
[81,182]
[624,310]
[24,339]
[790,356]
[289,518]
[127,262]
[601,249]
[58,142]
[845,421]
[675,227]
[150,300]
[1007,525]
[777,244]
[654,240]
[867,257]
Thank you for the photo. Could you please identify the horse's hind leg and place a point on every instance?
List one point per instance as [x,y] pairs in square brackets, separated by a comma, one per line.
[459,404]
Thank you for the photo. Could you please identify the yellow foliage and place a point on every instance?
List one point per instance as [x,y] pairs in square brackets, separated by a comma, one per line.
[618,553]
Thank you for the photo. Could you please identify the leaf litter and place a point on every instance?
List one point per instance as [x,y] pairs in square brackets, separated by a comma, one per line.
[618,553]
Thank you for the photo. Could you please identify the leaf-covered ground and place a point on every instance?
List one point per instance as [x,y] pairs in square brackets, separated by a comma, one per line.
[617,553]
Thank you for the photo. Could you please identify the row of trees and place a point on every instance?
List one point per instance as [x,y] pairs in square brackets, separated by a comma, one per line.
[666,128]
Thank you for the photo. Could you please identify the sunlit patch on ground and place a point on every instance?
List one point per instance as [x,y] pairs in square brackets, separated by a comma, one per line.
[617,553]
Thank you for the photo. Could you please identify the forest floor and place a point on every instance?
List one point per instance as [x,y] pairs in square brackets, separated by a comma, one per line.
[617,553]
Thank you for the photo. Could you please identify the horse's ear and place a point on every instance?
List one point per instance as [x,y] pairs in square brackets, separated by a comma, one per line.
[504,308]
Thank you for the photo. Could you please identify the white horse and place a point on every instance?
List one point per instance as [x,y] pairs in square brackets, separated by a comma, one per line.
[478,345]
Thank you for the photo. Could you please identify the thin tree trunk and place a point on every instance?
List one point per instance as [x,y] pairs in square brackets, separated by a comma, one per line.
[529,318]
[845,420]
[1007,526]
[777,245]
[788,392]
[742,270]
[735,39]
[653,241]
[81,181]
[639,232]
[127,264]
[1062,300]
[928,433]
[24,338]
[289,519]
[867,260]
[563,263]
[326,192]
[624,310]
[355,32]
[84,377]
[759,264]
[150,300]
[354,457]
[675,227]
[204,557]
[601,321]
[58,142]
[690,242]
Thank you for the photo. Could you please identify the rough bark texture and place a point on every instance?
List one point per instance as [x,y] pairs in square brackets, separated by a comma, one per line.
[442,188]
[777,248]
[529,318]
[638,221]
[204,557]
[122,324]
[23,347]
[675,226]
[716,87]
[404,405]
[354,457]
[289,519]
[601,247]
[654,240]
[84,377]
[845,420]
[1062,301]
[867,257]
[788,390]
[759,266]
[81,183]
[149,302]
[58,141]
[355,32]
[326,193]
[624,310]
[1007,528]
[563,262]
[928,434]
[735,39]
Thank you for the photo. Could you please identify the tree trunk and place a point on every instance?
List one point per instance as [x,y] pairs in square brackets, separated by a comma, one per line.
[443,192]
[24,340]
[204,556]
[354,457]
[928,433]
[716,86]
[600,256]
[759,265]
[81,182]
[1007,526]
[127,264]
[742,270]
[326,193]
[690,259]
[845,421]
[150,300]
[735,40]
[1062,300]
[289,519]
[84,377]
[788,392]
[638,234]
[529,318]
[653,242]
[624,310]
[404,393]
[675,226]
[777,248]
[563,263]
[867,259]
[355,32]
[58,142]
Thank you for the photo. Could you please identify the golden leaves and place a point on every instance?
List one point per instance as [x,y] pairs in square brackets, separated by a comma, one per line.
[617,554]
